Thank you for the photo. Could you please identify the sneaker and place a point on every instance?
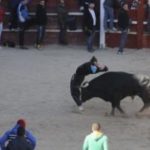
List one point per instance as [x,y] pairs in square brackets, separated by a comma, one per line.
[107,30]
[38,46]
[91,50]
[81,108]
[113,29]
[119,52]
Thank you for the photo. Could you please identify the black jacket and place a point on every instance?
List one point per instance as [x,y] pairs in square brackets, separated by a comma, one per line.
[41,17]
[123,19]
[19,143]
[84,70]
[88,20]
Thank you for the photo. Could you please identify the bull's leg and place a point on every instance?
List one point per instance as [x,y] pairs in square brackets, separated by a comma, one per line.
[144,107]
[120,109]
[113,110]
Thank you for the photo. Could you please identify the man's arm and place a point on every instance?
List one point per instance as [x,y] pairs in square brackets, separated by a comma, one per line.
[31,138]
[85,144]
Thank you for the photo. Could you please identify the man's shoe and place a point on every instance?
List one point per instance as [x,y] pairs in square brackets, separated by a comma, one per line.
[119,52]
[23,47]
[91,50]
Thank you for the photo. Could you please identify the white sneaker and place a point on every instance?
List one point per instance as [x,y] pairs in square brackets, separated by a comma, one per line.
[81,108]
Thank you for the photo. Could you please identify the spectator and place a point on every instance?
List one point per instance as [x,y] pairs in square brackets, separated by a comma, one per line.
[84,4]
[96,140]
[12,133]
[123,23]
[13,21]
[90,21]
[2,13]
[20,142]
[82,71]
[109,14]
[24,21]
[62,21]
[41,19]
[148,19]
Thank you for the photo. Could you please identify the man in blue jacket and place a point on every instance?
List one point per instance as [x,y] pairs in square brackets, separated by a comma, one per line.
[12,133]
[24,20]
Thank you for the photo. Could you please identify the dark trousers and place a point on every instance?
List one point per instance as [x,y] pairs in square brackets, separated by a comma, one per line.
[123,39]
[23,26]
[63,34]
[40,34]
[90,40]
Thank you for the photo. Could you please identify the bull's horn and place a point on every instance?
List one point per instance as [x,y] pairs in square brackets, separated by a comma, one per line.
[85,84]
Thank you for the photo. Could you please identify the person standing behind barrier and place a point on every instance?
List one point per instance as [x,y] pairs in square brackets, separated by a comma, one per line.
[109,14]
[90,21]
[96,140]
[2,13]
[20,142]
[62,22]
[123,24]
[12,133]
[90,67]
[41,20]
[24,20]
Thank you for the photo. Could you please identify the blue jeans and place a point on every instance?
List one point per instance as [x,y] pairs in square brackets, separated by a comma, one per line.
[123,39]
[90,40]
[108,14]
[40,34]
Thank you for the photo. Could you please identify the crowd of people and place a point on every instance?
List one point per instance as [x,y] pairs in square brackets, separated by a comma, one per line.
[21,20]
[20,138]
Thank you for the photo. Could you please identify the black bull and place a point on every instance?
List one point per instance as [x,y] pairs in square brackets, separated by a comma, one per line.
[114,86]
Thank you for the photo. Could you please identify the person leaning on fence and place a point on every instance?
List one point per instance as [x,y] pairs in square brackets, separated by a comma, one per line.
[20,142]
[96,140]
[12,133]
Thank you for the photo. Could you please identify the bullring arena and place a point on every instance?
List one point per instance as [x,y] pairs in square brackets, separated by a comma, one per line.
[34,85]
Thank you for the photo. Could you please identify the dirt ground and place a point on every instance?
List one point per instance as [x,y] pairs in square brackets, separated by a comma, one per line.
[34,84]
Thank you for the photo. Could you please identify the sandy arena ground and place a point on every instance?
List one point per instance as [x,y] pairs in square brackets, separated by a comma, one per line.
[34,84]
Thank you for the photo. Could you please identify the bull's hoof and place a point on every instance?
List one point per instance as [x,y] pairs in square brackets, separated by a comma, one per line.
[108,114]
[144,113]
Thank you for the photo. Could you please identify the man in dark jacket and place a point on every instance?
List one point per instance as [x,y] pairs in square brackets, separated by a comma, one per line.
[41,20]
[82,71]
[123,23]
[20,142]
[90,21]
[62,22]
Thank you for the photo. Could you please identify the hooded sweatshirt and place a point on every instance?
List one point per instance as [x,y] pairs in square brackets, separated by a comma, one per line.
[95,141]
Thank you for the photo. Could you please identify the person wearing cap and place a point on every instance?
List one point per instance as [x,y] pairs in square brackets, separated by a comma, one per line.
[96,140]
[90,67]
[20,142]
[12,133]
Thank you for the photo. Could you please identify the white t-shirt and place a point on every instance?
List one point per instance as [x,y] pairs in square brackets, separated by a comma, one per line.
[92,12]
